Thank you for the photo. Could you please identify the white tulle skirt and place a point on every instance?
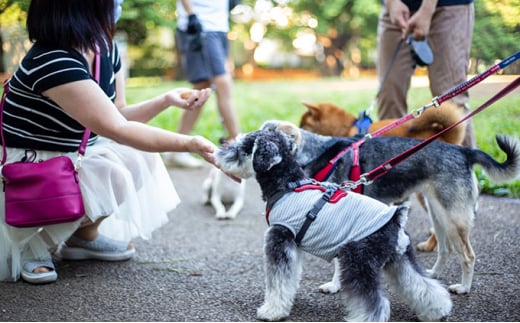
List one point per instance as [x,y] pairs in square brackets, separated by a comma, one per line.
[131,187]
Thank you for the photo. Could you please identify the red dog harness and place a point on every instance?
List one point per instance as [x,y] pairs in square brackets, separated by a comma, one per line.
[355,170]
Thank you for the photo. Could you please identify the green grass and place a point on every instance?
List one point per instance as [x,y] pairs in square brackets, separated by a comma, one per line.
[258,101]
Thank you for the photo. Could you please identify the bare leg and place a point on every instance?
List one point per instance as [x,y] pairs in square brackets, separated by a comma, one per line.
[189,117]
[224,84]
[88,231]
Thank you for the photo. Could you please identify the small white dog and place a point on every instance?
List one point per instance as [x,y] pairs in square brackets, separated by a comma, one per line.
[220,189]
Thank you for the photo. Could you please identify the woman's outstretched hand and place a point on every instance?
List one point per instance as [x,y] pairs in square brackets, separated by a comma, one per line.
[187,99]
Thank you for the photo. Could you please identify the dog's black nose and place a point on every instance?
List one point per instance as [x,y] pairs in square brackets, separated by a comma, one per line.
[223,141]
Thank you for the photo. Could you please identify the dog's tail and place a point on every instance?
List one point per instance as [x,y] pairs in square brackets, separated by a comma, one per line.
[435,120]
[505,171]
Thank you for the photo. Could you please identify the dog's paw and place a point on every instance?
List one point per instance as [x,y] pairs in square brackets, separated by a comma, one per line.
[329,288]
[428,245]
[231,215]
[434,303]
[425,246]
[458,289]
[223,216]
[268,312]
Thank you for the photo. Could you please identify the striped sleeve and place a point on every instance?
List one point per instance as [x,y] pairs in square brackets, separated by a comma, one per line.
[51,69]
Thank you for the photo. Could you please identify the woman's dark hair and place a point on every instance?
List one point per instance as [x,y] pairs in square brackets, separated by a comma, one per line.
[71,24]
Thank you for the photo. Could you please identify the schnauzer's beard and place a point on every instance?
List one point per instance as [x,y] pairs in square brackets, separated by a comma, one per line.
[232,163]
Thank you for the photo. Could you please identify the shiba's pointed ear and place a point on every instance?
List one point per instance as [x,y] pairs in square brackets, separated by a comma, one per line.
[313,109]
[265,155]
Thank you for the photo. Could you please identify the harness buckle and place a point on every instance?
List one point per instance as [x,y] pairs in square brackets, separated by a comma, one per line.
[294,185]
[328,194]
[311,215]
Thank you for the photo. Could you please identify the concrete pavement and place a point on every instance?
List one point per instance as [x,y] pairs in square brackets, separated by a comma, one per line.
[197,268]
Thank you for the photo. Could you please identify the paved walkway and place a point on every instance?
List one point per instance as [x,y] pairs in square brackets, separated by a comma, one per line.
[197,268]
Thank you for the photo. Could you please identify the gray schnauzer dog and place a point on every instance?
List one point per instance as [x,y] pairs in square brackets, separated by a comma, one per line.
[442,172]
[366,236]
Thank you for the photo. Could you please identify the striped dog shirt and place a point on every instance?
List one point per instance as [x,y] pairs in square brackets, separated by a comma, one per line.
[350,218]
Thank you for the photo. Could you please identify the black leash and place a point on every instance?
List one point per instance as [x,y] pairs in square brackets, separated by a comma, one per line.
[383,80]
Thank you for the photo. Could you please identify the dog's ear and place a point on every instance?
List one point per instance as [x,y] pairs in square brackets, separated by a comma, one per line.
[265,155]
[270,125]
[292,134]
[312,108]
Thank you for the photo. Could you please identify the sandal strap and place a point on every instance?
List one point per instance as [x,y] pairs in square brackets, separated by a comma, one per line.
[31,265]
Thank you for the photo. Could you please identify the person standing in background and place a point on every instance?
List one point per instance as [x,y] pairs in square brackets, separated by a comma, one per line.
[201,37]
[448,27]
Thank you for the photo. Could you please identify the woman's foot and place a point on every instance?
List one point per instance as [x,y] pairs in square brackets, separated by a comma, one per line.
[101,248]
[39,271]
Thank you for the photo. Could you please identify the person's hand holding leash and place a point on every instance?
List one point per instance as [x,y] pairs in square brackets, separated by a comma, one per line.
[419,23]
[399,14]
[194,26]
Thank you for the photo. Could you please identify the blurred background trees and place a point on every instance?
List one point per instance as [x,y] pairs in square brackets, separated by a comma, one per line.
[321,37]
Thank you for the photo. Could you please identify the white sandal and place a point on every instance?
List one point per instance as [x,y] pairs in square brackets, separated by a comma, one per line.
[32,277]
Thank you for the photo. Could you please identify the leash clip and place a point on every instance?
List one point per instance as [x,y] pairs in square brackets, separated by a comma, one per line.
[435,103]
[417,113]
[363,179]
[349,185]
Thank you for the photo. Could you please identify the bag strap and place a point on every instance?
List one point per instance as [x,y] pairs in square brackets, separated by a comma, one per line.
[97,76]
[86,135]
[4,95]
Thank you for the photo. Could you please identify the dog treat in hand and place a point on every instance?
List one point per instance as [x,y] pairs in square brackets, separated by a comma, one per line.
[186,95]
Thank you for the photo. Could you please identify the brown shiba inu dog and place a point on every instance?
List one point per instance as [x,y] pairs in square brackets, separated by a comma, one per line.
[330,120]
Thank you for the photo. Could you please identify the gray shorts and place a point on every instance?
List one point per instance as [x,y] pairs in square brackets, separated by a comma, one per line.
[206,63]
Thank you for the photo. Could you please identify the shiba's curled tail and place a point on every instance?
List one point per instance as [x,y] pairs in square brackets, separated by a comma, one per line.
[505,171]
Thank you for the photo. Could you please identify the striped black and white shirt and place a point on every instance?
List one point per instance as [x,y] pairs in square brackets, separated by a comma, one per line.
[351,218]
[33,121]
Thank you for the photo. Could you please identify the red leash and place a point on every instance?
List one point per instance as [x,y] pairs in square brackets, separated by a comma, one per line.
[436,102]
[324,173]
[384,168]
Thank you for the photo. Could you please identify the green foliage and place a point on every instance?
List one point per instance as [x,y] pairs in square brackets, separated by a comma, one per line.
[258,101]
[349,25]
[152,60]
[12,12]
[508,10]
[496,29]
[140,17]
